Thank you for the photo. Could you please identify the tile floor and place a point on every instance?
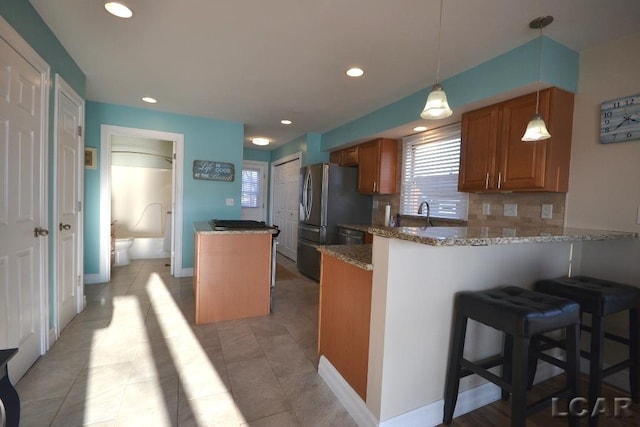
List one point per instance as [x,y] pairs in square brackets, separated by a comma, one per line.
[134,357]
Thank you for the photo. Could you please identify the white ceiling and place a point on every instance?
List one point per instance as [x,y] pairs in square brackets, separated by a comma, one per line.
[260,61]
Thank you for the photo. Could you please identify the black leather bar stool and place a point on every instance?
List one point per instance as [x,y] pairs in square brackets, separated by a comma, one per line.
[520,314]
[601,298]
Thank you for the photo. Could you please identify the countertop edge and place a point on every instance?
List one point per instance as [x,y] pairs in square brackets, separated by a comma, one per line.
[203,227]
[357,255]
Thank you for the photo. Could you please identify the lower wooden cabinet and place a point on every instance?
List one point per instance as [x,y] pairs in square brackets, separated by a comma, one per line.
[345,311]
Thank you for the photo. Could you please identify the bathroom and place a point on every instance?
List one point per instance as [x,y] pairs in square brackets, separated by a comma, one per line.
[141,198]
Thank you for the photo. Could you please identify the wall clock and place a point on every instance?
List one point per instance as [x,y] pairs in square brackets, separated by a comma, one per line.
[620,119]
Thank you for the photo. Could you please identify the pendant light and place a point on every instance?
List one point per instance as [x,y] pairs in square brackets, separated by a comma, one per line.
[536,129]
[437,106]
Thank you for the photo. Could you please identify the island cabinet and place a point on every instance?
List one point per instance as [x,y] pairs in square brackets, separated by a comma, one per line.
[231,275]
[377,165]
[494,158]
[345,310]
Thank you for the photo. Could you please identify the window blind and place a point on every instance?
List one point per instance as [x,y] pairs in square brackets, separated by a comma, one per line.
[430,164]
[250,188]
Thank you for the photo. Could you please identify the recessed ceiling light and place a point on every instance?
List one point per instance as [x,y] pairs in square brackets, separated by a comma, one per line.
[286,122]
[355,72]
[420,128]
[118,9]
[260,141]
[149,99]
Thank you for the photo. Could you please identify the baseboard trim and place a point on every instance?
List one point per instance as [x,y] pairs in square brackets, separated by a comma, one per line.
[345,394]
[183,272]
[53,337]
[428,415]
[92,279]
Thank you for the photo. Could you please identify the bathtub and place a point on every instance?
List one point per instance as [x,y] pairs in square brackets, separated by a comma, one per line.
[148,248]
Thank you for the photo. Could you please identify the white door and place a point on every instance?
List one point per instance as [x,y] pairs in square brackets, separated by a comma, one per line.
[252,200]
[22,189]
[285,206]
[69,152]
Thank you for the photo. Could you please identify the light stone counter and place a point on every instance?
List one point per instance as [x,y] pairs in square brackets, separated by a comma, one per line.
[204,227]
[485,236]
[358,255]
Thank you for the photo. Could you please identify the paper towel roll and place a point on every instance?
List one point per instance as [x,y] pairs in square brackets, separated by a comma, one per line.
[387,214]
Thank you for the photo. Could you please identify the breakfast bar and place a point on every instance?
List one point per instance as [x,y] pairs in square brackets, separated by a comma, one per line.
[416,273]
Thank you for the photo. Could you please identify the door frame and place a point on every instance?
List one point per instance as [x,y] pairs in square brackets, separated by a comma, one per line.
[63,88]
[23,48]
[264,168]
[106,132]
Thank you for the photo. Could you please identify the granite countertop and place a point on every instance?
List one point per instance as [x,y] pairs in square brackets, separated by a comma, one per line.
[358,227]
[358,255]
[484,236]
[203,227]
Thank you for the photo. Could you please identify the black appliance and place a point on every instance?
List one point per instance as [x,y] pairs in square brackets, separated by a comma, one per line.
[328,197]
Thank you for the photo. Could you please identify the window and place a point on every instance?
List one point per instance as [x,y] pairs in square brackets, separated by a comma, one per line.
[250,188]
[430,163]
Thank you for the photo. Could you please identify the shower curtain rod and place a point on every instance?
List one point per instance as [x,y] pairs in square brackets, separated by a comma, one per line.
[167,158]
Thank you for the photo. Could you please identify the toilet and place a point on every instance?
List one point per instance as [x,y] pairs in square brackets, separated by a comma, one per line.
[122,251]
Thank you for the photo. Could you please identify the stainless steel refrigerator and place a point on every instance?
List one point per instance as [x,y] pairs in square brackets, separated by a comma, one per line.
[328,197]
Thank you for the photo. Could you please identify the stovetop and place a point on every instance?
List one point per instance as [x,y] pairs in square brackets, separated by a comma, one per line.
[239,224]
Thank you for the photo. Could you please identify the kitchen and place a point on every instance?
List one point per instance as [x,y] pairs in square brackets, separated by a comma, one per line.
[580,210]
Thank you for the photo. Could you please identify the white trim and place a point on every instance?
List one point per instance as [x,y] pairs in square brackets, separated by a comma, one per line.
[186,272]
[62,87]
[428,415]
[278,162]
[91,279]
[106,132]
[264,168]
[345,394]
[20,45]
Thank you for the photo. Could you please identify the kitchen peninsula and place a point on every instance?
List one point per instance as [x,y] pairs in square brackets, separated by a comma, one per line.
[232,272]
[416,273]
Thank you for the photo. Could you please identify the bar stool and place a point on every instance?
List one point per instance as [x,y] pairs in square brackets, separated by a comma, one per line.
[520,314]
[601,298]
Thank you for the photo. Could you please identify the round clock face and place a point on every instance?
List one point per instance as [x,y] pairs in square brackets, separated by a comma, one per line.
[620,119]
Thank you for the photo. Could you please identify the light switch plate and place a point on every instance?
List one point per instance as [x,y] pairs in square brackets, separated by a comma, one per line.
[510,209]
[547,211]
[486,208]
[229,202]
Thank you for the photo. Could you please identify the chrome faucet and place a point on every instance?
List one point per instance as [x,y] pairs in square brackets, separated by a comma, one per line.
[428,211]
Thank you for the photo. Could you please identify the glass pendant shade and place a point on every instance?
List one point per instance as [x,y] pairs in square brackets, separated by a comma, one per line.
[536,130]
[437,106]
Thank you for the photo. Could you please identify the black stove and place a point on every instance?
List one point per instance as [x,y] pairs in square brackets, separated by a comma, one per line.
[240,224]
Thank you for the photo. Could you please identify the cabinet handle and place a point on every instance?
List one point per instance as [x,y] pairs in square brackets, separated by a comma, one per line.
[374,186]
[499,179]
[486,182]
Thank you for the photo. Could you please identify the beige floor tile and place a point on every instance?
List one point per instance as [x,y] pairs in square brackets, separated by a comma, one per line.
[38,413]
[238,343]
[283,419]
[217,410]
[150,403]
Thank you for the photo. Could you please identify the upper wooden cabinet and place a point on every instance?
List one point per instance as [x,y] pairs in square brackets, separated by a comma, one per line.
[345,157]
[377,164]
[494,158]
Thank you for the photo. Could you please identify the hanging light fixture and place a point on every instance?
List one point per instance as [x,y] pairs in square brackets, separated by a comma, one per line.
[437,106]
[536,129]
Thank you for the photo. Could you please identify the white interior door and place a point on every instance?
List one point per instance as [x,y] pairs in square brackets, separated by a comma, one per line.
[22,189]
[254,188]
[69,154]
[285,206]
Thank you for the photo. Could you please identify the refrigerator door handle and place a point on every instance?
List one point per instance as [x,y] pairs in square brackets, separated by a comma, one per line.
[308,195]
[310,229]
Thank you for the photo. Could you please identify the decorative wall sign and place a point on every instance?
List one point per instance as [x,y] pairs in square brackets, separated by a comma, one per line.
[213,171]
[90,158]
[620,119]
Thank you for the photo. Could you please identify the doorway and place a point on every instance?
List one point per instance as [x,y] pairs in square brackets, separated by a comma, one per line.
[285,176]
[254,189]
[141,195]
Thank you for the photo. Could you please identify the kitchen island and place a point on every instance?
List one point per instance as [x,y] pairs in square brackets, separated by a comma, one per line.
[232,272]
[416,273]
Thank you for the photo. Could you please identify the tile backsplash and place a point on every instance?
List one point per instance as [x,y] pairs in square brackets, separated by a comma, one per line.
[529,210]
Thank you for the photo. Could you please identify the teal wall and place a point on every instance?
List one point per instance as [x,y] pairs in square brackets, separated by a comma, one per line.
[507,72]
[308,144]
[257,155]
[25,21]
[204,139]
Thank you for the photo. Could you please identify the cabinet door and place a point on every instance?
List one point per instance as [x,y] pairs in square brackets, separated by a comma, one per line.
[522,164]
[479,137]
[368,167]
[349,157]
[336,157]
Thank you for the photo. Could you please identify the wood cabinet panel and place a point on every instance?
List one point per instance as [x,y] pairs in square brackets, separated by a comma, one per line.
[345,311]
[345,157]
[232,276]
[377,166]
[494,158]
